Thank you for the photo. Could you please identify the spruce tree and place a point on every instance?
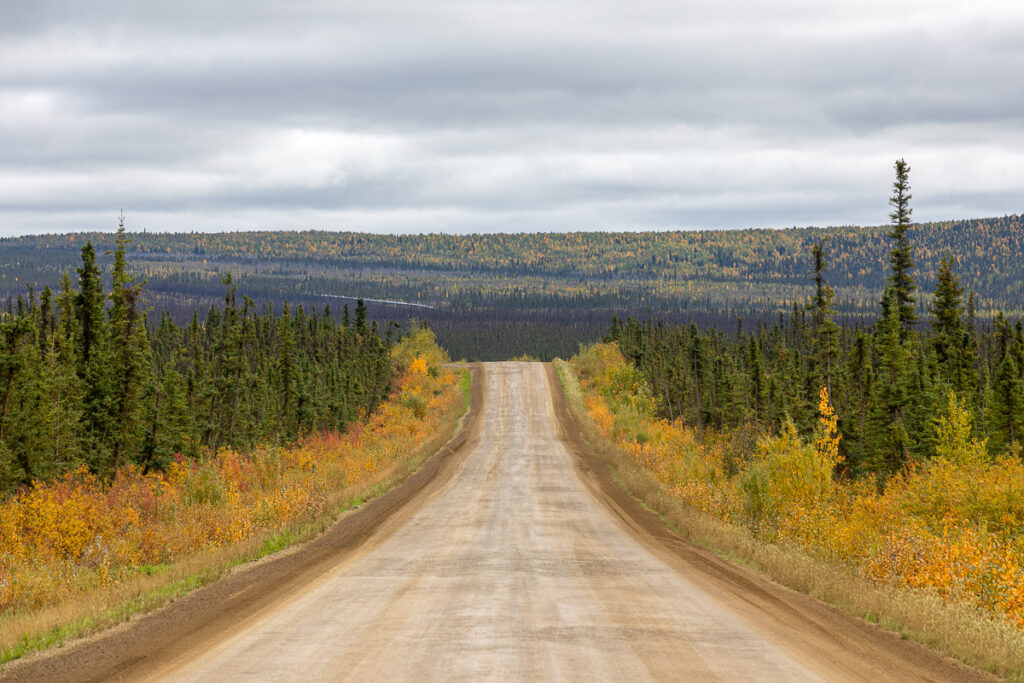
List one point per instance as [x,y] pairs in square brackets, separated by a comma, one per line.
[64,396]
[287,371]
[758,382]
[854,421]
[953,343]
[825,329]
[698,365]
[360,316]
[1007,407]
[901,280]
[16,370]
[890,442]
[88,305]
[130,358]
[93,362]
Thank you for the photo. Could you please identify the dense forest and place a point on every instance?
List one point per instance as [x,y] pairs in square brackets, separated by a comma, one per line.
[889,382]
[87,378]
[505,295]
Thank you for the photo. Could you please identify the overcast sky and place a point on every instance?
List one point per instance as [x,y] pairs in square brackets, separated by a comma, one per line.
[521,115]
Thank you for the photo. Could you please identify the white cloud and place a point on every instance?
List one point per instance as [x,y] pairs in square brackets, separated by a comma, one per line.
[527,115]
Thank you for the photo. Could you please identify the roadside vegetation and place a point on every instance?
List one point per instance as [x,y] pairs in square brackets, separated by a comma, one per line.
[88,379]
[878,469]
[912,558]
[141,462]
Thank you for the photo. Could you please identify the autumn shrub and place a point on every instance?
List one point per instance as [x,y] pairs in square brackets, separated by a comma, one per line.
[952,526]
[77,533]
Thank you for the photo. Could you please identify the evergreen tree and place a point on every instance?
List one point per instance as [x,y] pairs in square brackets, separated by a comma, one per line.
[758,381]
[360,316]
[953,343]
[854,423]
[890,442]
[93,363]
[88,305]
[1007,405]
[901,280]
[698,364]
[825,329]
[287,371]
[15,370]
[64,396]
[129,358]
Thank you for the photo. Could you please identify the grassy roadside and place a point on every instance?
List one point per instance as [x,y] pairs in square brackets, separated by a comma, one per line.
[961,631]
[155,586]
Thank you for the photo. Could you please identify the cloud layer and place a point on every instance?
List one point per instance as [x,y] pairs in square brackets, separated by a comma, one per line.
[472,115]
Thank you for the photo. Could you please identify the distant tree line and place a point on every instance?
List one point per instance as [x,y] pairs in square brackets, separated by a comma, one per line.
[504,295]
[87,379]
[888,382]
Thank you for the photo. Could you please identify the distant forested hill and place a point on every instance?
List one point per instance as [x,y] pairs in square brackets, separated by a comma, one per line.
[501,295]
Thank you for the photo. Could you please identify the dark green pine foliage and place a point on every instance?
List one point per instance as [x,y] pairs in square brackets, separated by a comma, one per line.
[1006,396]
[129,369]
[900,399]
[826,332]
[890,442]
[698,364]
[16,372]
[760,407]
[93,362]
[86,379]
[953,342]
[901,280]
[853,421]
[888,382]
[884,390]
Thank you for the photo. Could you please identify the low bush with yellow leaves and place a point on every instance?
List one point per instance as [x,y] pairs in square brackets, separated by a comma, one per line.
[76,533]
[953,526]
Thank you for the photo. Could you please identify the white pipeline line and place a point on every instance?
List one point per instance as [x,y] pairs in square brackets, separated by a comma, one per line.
[377,301]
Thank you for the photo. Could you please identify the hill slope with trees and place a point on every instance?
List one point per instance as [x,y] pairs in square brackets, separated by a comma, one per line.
[502,295]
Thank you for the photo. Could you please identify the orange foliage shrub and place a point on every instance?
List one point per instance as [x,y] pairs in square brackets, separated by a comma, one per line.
[953,526]
[77,533]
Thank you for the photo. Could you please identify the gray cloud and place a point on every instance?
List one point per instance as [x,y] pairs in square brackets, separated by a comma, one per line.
[524,115]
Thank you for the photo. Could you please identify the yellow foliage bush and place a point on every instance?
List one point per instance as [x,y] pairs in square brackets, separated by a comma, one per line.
[953,526]
[77,533]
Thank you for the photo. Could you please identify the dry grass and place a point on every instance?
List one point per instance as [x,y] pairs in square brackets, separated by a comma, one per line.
[964,632]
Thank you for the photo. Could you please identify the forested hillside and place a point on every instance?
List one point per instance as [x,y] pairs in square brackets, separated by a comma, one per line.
[503,295]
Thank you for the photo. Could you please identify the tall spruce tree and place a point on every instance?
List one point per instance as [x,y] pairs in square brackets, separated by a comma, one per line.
[901,280]
[130,358]
[94,369]
[897,386]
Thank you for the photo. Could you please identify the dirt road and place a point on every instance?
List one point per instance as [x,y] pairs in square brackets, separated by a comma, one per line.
[518,568]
